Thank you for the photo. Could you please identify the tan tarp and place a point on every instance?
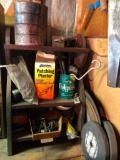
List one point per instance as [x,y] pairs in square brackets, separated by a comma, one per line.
[61,17]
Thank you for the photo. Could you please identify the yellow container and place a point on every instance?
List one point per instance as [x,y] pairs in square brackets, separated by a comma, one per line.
[44,76]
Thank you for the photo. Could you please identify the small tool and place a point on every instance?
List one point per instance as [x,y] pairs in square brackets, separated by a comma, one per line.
[72,69]
[62,67]
[76,99]
[88,13]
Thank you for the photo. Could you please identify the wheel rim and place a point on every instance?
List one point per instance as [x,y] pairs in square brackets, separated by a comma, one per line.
[94,142]
[91,144]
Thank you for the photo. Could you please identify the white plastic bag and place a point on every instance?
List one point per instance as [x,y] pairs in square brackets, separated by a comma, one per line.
[21,78]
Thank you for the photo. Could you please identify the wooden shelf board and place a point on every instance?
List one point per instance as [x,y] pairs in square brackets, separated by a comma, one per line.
[22,135]
[45,48]
[26,135]
[44,103]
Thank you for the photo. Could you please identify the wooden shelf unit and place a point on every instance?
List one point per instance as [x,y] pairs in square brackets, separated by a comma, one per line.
[24,105]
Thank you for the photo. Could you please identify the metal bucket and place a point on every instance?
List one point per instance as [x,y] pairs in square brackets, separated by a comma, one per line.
[29,17]
[27,7]
[27,29]
[66,86]
[27,39]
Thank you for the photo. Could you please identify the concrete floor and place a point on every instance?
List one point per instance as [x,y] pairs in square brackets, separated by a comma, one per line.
[67,150]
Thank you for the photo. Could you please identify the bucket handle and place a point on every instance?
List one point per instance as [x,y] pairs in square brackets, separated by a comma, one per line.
[93,68]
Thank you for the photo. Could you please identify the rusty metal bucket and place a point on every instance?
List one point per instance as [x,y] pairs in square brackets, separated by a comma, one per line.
[27,29]
[27,7]
[25,18]
[29,18]
[27,39]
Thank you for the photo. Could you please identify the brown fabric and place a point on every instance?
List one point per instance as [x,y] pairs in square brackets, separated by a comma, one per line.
[61,16]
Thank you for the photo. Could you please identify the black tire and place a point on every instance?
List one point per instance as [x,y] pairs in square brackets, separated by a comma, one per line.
[91,109]
[112,140]
[94,142]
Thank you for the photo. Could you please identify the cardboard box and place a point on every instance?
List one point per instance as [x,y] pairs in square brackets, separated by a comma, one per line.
[47,135]
[44,75]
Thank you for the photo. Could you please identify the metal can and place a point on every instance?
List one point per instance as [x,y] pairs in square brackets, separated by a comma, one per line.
[26,18]
[66,86]
[27,7]
[27,39]
[27,29]
[30,20]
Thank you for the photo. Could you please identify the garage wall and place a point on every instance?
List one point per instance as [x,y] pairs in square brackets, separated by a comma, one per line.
[98,42]
[107,98]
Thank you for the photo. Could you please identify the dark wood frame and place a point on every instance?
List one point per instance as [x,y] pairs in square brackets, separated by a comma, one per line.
[2,72]
[9,107]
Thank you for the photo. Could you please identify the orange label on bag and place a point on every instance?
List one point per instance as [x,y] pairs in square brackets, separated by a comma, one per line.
[44,79]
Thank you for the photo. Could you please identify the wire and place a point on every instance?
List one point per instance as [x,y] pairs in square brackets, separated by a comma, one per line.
[95,60]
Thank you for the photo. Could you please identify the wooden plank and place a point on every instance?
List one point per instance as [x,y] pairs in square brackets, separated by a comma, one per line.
[2,73]
[46,48]
[44,103]
[98,23]
[98,45]
[1,22]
